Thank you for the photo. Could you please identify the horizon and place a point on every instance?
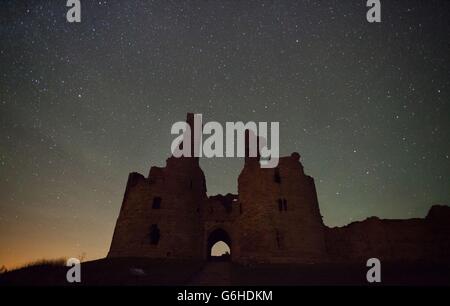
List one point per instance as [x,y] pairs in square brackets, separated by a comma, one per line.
[83,105]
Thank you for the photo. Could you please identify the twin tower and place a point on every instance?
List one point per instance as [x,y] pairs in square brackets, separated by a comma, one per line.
[275,217]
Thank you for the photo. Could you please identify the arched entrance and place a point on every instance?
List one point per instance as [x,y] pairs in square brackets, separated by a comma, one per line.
[218,246]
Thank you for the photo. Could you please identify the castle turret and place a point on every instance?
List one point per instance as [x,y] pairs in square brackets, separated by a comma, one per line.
[160,214]
[275,217]
[280,219]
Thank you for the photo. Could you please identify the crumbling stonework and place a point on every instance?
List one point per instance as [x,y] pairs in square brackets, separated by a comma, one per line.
[280,219]
[413,240]
[275,218]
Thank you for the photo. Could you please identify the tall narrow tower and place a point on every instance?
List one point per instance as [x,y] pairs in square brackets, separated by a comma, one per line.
[160,214]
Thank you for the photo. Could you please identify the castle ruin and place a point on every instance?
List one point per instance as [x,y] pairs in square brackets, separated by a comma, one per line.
[275,218]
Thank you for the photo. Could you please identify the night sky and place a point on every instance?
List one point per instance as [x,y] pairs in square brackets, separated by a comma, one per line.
[82,105]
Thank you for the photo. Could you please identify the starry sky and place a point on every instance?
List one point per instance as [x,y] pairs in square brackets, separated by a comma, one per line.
[82,105]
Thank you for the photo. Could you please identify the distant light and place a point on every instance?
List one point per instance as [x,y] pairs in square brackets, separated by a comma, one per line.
[220,248]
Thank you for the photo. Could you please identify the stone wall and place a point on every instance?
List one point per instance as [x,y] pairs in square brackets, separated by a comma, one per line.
[275,218]
[410,240]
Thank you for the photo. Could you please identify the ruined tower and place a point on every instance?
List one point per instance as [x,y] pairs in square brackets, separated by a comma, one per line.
[275,218]
[280,220]
[160,214]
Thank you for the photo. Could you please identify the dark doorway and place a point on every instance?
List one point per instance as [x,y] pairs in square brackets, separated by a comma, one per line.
[218,246]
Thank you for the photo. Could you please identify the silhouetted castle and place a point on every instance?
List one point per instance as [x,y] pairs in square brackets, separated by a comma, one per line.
[275,218]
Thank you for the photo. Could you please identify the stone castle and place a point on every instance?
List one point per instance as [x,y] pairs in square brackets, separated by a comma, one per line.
[275,218]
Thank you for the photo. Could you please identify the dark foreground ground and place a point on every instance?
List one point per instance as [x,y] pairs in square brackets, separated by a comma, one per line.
[139,271]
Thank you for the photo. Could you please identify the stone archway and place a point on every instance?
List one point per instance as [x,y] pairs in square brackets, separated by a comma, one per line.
[215,236]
